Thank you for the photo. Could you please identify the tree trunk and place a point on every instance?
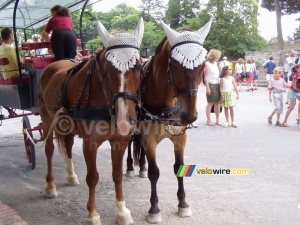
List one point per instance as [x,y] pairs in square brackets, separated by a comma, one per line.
[279,29]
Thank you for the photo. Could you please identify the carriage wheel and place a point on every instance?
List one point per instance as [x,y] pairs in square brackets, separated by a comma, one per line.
[29,146]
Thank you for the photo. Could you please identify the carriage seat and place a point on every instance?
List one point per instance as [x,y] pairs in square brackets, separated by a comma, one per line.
[12,80]
[39,45]
[43,61]
[40,62]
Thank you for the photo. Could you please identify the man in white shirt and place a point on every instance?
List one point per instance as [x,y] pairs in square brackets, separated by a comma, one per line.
[224,63]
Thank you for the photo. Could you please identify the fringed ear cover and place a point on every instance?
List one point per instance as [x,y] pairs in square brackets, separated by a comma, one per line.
[188,54]
[122,58]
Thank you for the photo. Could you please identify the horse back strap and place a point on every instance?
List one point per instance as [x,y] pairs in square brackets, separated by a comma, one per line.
[71,72]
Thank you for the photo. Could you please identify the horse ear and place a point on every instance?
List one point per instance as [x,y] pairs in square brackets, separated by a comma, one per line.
[139,31]
[171,34]
[103,33]
[203,31]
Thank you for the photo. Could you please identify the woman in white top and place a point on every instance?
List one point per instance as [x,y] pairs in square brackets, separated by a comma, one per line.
[227,85]
[239,70]
[212,83]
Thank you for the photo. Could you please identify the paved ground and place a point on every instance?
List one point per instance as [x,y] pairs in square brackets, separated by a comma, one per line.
[269,195]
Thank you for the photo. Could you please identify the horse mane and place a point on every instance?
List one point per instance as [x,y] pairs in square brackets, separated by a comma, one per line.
[160,45]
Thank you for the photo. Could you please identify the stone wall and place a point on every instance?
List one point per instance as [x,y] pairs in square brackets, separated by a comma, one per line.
[279,55]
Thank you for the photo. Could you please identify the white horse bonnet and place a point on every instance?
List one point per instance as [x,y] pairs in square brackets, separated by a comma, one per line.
[188,54]
[125,57]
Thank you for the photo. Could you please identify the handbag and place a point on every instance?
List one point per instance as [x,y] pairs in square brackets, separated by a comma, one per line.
[243,75]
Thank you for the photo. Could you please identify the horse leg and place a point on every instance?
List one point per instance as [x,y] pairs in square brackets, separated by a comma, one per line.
[183,208]
[92,178]
[72,177]
[49,149]
[142,157]
[117,153]
[130,169]
[154,215]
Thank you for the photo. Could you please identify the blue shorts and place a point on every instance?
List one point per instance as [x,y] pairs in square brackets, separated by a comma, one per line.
[294,94]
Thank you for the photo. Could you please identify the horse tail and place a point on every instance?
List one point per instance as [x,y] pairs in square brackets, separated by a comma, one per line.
[62,125]
[60,140]
[137,147]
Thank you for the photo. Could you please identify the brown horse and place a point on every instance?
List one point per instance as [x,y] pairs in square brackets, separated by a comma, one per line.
[96,100]
[172,77]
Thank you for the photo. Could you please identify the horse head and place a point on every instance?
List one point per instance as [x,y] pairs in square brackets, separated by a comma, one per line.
[186,64]
[122,74]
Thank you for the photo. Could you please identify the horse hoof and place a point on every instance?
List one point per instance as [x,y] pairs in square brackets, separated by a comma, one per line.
[125,219]
[51,193]
[130,174]
[143,174]
[184,212]
[73,181]
[154,218]
[93,219]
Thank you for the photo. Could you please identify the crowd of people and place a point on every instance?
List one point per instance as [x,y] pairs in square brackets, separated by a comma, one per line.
[221,84]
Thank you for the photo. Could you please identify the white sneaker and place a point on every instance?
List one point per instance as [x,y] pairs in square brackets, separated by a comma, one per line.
[194,125]
[234,125]
[225,125]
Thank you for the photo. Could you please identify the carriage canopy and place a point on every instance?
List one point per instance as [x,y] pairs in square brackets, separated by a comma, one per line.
[31,14]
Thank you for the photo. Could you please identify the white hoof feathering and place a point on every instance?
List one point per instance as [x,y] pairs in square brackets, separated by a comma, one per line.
[130,174]
[184,212]
[124,214]
[73,180]
[51,193]
[154,218]
[93,219]
[72,177]
[143,174]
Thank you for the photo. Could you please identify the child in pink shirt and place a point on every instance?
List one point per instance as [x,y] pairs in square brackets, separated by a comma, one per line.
[277,87]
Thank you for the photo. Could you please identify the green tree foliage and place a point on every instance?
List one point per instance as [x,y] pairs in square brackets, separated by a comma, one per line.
[287,6]
[281,7]
[152,10]
[180,10]
[173,13]
[234,29]
[297,34]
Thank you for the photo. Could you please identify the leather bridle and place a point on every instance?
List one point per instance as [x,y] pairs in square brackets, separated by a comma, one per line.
[190,91]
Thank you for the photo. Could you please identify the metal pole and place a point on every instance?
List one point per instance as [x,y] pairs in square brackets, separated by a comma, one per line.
[80,24]
[15,37]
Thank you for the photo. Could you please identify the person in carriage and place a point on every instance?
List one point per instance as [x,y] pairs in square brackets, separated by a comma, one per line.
[63,39]
[9,52]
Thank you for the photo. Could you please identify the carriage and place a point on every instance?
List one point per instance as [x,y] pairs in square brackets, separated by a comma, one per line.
[101,99]
[19,95]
